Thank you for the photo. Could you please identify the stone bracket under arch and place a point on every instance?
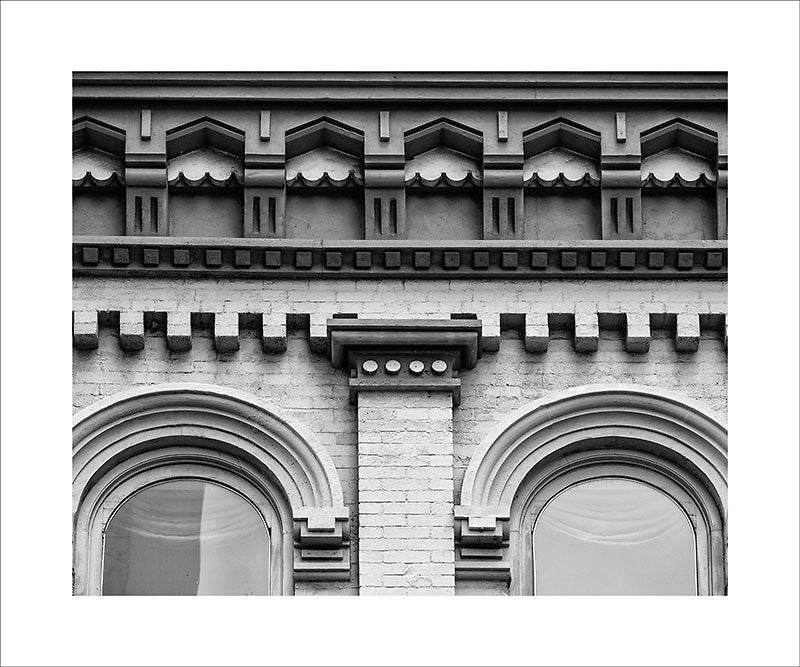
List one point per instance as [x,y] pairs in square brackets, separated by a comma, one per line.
[321,544]
[482,536]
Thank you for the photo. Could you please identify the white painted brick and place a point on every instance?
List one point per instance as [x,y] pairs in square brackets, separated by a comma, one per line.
[306,388]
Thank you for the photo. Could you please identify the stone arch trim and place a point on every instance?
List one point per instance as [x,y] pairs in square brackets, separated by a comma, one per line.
[205,131]
[225,428]
[562,132]
[651,428]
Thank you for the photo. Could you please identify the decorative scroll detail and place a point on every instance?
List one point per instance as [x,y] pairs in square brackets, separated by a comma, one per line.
[678,182]
[470,180]
[325,181]
[205,181]
[561,181]
[88,180]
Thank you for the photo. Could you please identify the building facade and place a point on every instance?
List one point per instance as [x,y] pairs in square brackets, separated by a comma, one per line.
[414,333]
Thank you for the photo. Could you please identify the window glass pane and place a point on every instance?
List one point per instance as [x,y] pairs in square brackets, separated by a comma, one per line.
[613,537]
[186,537]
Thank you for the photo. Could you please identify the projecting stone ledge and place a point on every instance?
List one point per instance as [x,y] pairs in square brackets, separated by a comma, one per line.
[404,355]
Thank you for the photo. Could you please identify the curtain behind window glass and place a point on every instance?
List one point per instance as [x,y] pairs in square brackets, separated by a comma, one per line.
[613,537]
[186,537]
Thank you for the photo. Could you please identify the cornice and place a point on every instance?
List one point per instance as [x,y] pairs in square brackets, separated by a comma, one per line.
[290,258]
[404,87]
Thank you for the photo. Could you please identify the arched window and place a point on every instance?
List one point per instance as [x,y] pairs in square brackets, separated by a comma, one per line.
[599,490]
[189,536]
[187,489]
[613,536]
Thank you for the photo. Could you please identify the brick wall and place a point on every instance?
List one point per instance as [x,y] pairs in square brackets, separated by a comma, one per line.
[302,383]
[405,492]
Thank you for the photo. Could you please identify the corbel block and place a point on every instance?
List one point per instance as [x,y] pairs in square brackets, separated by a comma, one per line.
[637,332]
[131,330]
[318,332]
[179,331]
[687,332]
[537,332]
[226,332]
[587,332]
[273,333]
[84,329]
[490,334]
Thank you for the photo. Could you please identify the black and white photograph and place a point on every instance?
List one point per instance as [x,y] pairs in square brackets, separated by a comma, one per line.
[392,330]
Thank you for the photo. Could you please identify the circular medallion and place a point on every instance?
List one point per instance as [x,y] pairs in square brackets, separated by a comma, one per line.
[392,367]
[439,366]
[416,367]
[369,366]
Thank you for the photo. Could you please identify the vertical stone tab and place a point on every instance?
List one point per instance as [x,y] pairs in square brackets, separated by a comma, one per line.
[502,126]
[146,124]
[622,134]
[384,129]
[405,462]
[264,126]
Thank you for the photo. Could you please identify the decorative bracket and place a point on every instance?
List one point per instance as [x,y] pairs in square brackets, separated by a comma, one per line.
[146,194]
[722,197]
[482,538]
[503,214]
[264,195]
[621,196]
[384,197]
[321,543]
[404,355]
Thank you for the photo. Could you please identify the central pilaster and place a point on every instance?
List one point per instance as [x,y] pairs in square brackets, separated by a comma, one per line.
[405,489]
[404,376]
